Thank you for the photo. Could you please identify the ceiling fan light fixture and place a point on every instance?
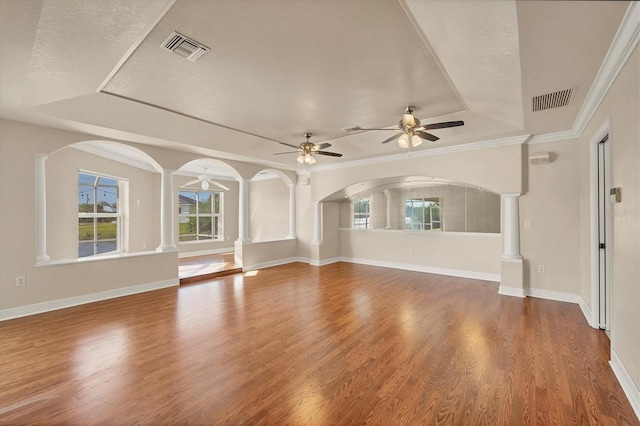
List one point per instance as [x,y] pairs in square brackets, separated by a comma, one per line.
[415,140]
[204,185]
[301,159]
[403,141]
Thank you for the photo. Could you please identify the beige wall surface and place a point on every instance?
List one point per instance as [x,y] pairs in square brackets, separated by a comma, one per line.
[268,210]
[496,169]
[229,218]
[551,202]
[254,254]
[142,204]
[460,251]
[19,144]
[621,106]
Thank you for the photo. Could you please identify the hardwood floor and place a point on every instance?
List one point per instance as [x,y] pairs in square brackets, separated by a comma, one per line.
[297,344]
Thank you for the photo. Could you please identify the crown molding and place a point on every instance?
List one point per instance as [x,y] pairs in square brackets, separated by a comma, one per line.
[552,137]
[513,140]
[624,42]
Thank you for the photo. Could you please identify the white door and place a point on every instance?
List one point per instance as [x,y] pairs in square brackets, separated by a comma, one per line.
[603,234]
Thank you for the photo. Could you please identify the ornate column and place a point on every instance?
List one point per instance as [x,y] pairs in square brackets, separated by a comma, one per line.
[243,212]
[317,224]
[511,226]
[166,212]
[41,210]
[512,270]
[292,211]
[388,195]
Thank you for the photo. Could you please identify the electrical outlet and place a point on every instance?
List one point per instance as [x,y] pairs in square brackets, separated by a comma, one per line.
[144,246]
[21,281]
[410,250]
[527,224]
[542,269]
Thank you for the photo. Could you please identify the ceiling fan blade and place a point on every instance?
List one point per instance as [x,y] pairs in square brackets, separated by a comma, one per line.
[427,136]
[443,125]
[394,129]
[287,152]
[391,138]
[219,185]
[289,145]
[321,146]
[191,182]
[331,154]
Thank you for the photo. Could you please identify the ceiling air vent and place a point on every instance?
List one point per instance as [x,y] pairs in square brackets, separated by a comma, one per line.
[184,46]
[551,100]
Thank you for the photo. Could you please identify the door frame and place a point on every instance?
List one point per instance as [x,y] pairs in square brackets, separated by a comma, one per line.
[598,136]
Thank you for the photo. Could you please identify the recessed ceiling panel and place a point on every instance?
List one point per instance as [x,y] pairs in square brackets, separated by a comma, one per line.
[280,68]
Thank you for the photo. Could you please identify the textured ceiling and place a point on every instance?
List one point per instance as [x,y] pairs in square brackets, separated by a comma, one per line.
[279,68]
[317,67]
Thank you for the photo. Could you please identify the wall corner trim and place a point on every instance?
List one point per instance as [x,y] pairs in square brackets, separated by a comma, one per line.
[586,311]
[626,382]
[511,291]
[53,305]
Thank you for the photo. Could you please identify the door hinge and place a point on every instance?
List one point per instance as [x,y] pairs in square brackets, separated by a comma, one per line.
[602,245]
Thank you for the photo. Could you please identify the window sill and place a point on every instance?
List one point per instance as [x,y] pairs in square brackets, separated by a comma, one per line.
[186,243]
[101,258]
[406,231]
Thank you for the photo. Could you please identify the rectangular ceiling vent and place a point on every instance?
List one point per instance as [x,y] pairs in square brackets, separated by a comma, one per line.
[184,46]
[551,100]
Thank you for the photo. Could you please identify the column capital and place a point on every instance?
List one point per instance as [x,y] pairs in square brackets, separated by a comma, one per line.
[511,195]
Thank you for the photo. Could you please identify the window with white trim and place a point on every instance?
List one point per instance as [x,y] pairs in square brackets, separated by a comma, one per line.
[422,214]
[99,214]
[200,215]
[362,214]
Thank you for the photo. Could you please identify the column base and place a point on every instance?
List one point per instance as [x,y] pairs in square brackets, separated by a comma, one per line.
[163,249]
[512,278]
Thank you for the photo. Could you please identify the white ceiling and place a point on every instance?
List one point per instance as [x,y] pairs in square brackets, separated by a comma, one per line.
[280,68]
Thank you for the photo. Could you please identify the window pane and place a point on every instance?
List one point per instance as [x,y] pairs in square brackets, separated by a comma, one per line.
[107,197]
[85,229]
[216,201]
[204,231]
[85,248]
[187,202]
[107,246]
[85,199]
[107,228]
[204,202]
[188,229]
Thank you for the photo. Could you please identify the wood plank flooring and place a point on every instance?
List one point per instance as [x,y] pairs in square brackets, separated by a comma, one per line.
[297,344]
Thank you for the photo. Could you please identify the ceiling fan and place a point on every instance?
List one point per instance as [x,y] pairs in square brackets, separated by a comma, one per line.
[411,130]
[206,182]
[307,149]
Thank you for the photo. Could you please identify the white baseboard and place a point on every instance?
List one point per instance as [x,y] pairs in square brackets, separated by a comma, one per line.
[512,291]
[586,311]
[626,382]
[273,263]
[421,268]
[558,296]
[328,261]
[182,255]
[38,308]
